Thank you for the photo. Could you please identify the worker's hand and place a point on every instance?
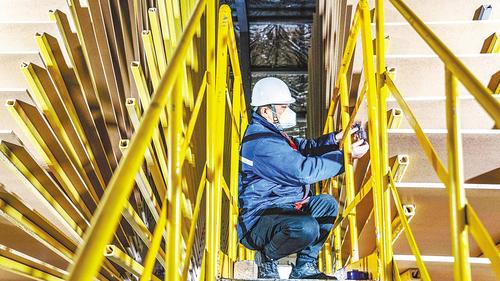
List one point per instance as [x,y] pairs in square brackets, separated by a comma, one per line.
[359,149]
[340,135]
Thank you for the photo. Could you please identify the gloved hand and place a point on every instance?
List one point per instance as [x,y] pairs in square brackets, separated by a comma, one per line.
[340,135]
[359,149]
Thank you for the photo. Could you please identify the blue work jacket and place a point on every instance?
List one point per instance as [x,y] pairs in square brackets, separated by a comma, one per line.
[273,173]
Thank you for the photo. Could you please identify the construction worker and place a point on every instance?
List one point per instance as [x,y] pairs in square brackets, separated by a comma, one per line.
[278,216]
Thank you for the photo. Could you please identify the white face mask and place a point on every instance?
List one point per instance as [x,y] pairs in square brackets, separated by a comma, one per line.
[288,119]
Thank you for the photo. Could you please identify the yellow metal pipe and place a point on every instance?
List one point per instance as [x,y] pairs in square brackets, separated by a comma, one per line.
[63,78]
[151,160]
[107,215]
[45,95]
[48,146]
[194,222]
[44,187]
[409,235]
[483,239]
[125,261]
[104,91]
[161,155]
[194,115]
[210,271]
[83,78]
[482,94]
[347,127]
[173,247]
[382,92]
[157,39]
[234,170]
[141,229]
[20,268]
[397,226]
[456,191]
[349,169]
[346,58]
[155,244]
[149,49]
[374,133]
[426,145]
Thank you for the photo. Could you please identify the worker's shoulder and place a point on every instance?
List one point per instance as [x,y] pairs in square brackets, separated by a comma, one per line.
[257,131]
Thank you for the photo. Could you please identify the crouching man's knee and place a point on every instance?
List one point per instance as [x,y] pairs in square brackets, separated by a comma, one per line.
[329,206]
[304,231]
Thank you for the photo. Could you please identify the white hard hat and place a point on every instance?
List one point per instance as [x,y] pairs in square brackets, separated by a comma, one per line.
[271,90]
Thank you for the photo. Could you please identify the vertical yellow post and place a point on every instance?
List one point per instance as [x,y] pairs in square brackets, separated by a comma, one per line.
[216,110]
[459,228]
[235,144]
[373,133]
[173,246]
[211,256]
[382,93]
[337,238]
[338,247]
[329,240]
[348,167]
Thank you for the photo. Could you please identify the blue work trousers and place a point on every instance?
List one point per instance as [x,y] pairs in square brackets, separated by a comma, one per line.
[285,230]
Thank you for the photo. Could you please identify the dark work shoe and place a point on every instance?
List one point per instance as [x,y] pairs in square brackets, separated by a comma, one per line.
[309,270]
[266,268]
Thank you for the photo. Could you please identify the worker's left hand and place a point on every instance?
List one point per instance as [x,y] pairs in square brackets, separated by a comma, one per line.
[359,149]
[340,134]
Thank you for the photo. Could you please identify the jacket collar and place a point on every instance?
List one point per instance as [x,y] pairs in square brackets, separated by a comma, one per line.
[256,118]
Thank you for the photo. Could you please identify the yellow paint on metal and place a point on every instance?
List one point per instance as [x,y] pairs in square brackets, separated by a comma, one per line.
[456,191]
[349,169]
[107,215]
[409,235]
[483,239]
[373,135]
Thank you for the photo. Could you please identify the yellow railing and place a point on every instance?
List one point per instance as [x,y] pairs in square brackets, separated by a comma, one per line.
[381,182]
[173,95]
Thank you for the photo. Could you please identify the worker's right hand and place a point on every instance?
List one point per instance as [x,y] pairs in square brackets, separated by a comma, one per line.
[359,149]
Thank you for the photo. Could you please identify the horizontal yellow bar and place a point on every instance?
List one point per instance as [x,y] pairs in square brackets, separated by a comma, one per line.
[125,261]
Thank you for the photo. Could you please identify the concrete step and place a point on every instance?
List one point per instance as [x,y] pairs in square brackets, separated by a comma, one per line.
[431,204]
[419,76]
[441,267]
[11,75]
[480,154]
[429,10]
[20,36]
[246,270]
[431,112]
[462,37]
[29,10]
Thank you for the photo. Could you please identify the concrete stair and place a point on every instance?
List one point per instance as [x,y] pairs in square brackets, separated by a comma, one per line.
[431,11]
[462,37]
[30,11]
[10,68]
[419,76]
